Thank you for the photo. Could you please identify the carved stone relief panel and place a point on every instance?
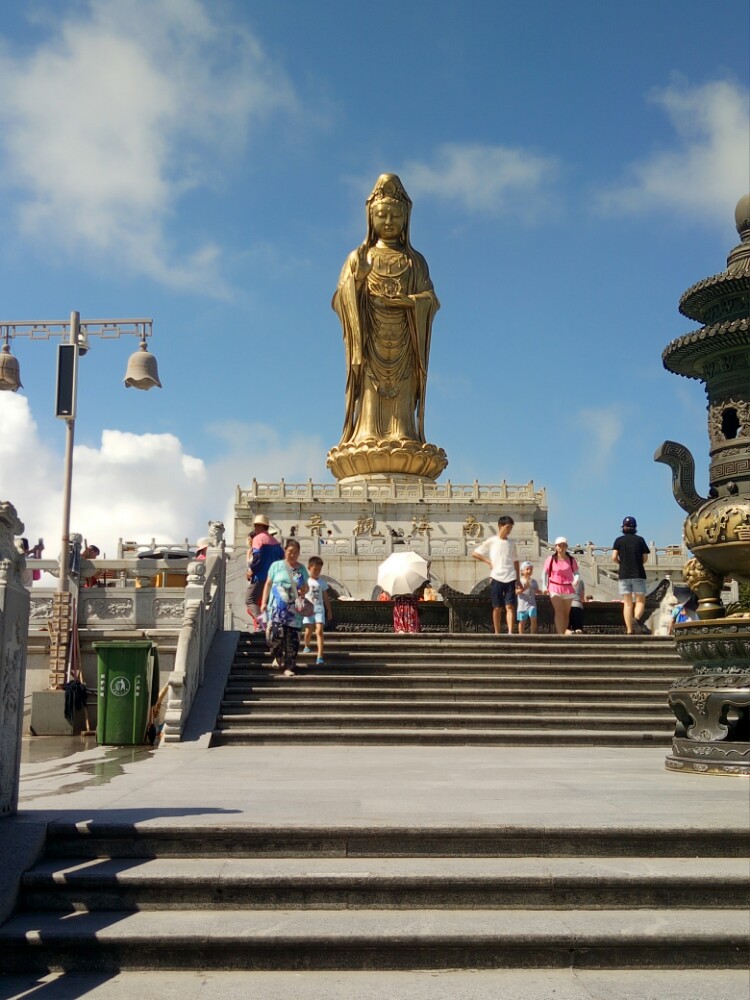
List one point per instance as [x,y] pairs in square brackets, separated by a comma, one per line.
[172,608]
[40,609]
[101,609]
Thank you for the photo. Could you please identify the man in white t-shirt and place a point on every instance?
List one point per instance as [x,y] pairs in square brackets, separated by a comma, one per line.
[501,556]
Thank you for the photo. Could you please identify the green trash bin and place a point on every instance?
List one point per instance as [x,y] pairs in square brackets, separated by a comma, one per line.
[128,685]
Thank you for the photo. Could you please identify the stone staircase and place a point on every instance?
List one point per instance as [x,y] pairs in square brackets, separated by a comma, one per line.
[118,897]
[447,689]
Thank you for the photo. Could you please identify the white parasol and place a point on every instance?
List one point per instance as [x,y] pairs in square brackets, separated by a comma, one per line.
[402,573]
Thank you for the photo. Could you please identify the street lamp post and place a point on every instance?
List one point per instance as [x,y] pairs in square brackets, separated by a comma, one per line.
[142,373]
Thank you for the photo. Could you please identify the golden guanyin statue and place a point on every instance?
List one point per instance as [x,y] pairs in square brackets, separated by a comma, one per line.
[386,304]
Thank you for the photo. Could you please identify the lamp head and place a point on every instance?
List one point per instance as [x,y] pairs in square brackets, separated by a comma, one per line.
[142,372]
[10,373]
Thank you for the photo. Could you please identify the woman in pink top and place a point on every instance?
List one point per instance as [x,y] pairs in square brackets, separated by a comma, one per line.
[560,577]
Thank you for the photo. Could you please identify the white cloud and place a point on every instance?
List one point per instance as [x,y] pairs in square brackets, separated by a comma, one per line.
[497,180]
[708,167]
[124,109]
[30,472]
[140,486]
[599,431]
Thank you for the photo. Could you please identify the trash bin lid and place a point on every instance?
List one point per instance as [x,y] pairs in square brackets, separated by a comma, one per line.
[124,644]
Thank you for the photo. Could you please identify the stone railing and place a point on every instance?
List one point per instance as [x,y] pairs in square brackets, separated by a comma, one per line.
[203,617]
[472,613]
[599,570]
[130,549]
[392,490]
[128,601]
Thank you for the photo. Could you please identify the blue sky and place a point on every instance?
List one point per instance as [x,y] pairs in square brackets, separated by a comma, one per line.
[574,168]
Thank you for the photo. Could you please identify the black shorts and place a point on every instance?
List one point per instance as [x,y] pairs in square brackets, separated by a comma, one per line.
[503,594]
[575,621]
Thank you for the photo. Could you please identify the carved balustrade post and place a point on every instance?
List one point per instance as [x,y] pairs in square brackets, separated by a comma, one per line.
[14,627]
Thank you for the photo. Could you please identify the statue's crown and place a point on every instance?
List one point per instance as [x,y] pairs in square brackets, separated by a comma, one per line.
[389,186]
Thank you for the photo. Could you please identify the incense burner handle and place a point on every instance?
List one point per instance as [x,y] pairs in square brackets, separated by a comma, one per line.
[682,464]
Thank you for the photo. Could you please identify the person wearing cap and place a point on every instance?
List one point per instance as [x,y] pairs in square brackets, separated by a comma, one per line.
[201,548]
[630,552]
[560,578]
[264,550]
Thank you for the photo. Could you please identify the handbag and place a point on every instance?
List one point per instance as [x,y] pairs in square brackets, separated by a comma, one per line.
[301,604]
[304,607]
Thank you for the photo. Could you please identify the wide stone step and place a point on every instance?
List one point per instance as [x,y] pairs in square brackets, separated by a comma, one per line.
[107,941]
[100,839]
[448,640]
[528,658]
[295,703]
[311,694]
[413,736]
[483,719]
[508,675]
[401,883]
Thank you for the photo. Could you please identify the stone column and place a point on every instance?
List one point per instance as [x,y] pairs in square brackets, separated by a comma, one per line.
[14,629]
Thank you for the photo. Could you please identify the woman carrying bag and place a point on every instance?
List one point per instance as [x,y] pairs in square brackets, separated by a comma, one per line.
[560,578]
[284,602]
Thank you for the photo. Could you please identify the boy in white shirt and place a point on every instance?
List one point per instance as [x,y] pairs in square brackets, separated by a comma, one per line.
[321,602]
[501,556]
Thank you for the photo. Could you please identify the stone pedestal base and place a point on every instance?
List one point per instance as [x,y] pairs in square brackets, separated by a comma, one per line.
[393,458]
[695,757]
[712,704]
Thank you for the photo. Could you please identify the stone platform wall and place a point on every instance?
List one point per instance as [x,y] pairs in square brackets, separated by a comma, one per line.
[355,526]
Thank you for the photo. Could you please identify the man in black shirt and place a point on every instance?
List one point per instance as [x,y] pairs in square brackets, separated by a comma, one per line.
[630,552]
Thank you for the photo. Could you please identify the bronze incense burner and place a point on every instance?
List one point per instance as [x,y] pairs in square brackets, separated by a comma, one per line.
[712,704]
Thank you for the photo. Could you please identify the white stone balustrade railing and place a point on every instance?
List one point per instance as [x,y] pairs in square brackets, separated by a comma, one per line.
[131,549]
[127,601]
[598,569]
[662,561]
[203,617]
[665,558]
[392,490]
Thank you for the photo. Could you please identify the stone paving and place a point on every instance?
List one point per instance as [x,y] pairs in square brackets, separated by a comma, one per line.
[532,984]
[391,785]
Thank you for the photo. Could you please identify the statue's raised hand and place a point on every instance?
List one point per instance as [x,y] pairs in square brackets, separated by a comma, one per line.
[364,264]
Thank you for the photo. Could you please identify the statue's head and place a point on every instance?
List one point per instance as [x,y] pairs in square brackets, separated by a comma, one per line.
[388,210]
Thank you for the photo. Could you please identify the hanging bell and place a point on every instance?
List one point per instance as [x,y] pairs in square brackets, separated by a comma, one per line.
[10,372]
[142,372]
